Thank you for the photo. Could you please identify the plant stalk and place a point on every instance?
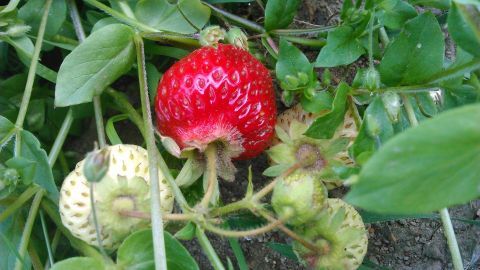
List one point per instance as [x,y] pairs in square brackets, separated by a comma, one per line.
[95,220]
[25,196]
[208,249]
[451,239]
[229,233]
[291,233]
[156,212]
[444,215]
[31,76]
[211,156]
[47,239]
[27,230]
[60,139]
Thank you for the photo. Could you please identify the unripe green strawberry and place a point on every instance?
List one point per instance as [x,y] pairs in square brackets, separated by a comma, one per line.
[339,233]
[291,146]
[125,187]
[298,197]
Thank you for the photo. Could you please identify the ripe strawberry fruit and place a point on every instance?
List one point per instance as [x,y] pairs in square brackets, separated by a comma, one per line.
[217,94]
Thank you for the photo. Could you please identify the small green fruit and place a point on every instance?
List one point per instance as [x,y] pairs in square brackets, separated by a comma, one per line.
[298,197]
[340,235]
[96,165]
[372,79]
[210,36]
[238,38]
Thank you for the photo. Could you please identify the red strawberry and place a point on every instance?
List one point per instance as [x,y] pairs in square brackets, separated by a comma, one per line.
[218,94]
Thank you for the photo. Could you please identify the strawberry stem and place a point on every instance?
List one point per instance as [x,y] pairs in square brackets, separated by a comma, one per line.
[157,221]
[444,215]
[25,196]
[211,171]
[252,202]
[291,233]
[229,233]
[31,77]
[27,230]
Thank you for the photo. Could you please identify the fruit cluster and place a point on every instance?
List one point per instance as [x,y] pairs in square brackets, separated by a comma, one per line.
[300,196]
[222,96]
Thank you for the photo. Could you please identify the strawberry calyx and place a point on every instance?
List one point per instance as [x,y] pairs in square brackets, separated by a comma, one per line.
[316,156]
[340,235]
[211,35]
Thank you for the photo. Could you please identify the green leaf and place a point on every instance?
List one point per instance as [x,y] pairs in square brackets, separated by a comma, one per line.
[342,48]
[103,57]
[32,13]
[136,252]
[110,128]
[102,23]
[30,149]
[280,13]
[7,130]
[187,232]
[10,237]
[79,263]
[291,61]
[424,169]
[228,1]
[370,217]
[25,167]
[440,4]
[276,170]
[394,13]
[24,48]
[284,249]
[366,143]
[185,17]
[36,115]
[325,126]
[153,77]
[464,26]
[416,54]
[320,102]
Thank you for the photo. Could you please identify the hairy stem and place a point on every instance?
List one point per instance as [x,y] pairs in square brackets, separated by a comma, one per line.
[143,215]
[25,196]
[370,40]
[47,239]
[60,139]
[232,207]
[125,107]
[95,220]
[97,108]
[211,156]
[252,202]
[237,234]
[156,210]
[208,249]
[444,215]
[291,233]
[27,230]
[31,76]
[121,17]
[451,239]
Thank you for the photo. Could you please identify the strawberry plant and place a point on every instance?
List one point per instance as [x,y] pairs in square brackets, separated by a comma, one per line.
[123,125]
